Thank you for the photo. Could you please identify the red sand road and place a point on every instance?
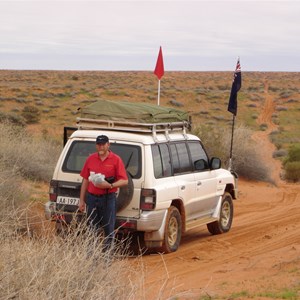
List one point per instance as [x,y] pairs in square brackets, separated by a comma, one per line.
[260,253]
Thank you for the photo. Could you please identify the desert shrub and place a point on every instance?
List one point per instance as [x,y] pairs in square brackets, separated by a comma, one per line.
[280,153]
[31,114]
[31,157]
[281,108]
[12,118]
[12,195]
[263,127]
[285,94]
[252,105]
[292,164]
[292,170]
[175,103]
[274,88]
[294,153]
[246,159]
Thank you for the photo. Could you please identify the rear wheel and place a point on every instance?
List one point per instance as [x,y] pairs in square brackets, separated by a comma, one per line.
[172,235]
[226,215]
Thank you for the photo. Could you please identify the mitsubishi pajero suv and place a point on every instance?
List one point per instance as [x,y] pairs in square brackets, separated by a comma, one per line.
[173,185]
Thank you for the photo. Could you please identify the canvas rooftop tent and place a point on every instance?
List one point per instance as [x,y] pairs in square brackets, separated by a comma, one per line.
[132,112]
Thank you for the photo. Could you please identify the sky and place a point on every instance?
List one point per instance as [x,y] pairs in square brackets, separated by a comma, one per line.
[126,35]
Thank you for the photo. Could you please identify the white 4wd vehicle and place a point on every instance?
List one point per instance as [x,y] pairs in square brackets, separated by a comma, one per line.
[173,185]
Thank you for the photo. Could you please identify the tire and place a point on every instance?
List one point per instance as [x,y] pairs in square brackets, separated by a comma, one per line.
[226,216]
[125,194]
[172,235]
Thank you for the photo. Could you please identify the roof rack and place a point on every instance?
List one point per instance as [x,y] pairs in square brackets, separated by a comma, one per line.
[153,128]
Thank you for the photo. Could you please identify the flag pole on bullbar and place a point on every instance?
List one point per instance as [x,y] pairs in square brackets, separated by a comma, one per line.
[159,72]
[232,105]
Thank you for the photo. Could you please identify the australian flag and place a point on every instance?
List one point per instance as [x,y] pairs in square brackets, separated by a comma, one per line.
[236,85]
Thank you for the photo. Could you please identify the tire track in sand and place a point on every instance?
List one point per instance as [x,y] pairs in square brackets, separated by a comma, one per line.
[262,137]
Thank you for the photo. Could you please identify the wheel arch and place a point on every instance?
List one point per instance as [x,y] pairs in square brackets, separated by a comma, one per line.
[231,190]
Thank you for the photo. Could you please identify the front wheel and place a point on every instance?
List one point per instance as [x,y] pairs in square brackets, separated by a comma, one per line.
[223,224]
[172,235]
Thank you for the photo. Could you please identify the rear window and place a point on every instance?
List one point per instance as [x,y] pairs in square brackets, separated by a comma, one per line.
[80,150]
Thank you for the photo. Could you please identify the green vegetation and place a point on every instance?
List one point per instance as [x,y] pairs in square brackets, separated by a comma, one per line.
[288,294]
[58,95]
[31,114]
[292,164]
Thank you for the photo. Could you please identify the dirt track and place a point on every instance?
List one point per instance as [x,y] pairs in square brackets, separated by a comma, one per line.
[260,254]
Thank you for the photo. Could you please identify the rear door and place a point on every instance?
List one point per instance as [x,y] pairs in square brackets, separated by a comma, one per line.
[184,177]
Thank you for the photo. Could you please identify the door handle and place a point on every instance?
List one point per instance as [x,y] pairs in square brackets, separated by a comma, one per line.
[182,187]
[199,183]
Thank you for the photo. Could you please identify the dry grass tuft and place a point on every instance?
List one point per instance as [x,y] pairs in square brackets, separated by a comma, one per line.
[32,158]
[71,268]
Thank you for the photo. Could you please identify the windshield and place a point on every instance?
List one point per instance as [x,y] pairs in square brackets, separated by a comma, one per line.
[80,150]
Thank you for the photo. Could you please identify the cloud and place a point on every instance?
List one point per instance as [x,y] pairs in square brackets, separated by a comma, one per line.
[119,30]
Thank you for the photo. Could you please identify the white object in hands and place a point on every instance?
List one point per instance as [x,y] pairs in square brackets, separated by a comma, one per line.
[96,178]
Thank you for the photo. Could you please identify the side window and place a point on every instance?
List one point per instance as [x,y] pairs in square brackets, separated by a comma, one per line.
[175,159]
[166,160]
[197,152]
[157,164]
[161,161]
[180,158]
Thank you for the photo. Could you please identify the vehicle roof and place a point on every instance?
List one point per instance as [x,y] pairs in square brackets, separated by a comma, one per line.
[144,138]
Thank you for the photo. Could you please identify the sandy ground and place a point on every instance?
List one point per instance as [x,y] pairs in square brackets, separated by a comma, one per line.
[261,253]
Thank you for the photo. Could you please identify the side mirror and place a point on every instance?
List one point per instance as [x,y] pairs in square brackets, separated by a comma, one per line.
[215,163]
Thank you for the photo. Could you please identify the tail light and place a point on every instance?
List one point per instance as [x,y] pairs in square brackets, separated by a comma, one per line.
[53,190]
[148,199]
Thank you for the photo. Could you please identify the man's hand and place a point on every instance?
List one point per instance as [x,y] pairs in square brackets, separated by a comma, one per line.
[103,185]
[81,206]
[84,185]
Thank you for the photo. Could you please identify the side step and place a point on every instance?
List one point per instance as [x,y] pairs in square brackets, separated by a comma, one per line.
[199,222]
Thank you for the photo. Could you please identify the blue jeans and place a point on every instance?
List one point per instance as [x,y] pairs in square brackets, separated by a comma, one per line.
[101,212]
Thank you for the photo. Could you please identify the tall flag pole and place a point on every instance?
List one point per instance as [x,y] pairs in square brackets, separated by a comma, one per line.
[232,105]
[159,71]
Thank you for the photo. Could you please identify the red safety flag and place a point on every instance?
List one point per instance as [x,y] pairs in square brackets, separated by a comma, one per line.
[159,68]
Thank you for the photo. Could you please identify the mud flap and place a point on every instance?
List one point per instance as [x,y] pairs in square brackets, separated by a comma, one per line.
[155,238]
[217,211]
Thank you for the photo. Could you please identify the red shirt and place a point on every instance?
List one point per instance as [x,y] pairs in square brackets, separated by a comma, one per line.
[111,166]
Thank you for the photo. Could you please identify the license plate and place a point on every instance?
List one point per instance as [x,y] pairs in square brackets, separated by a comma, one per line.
[67,200]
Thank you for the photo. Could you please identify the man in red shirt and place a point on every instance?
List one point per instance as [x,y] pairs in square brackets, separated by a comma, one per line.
[99,196]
